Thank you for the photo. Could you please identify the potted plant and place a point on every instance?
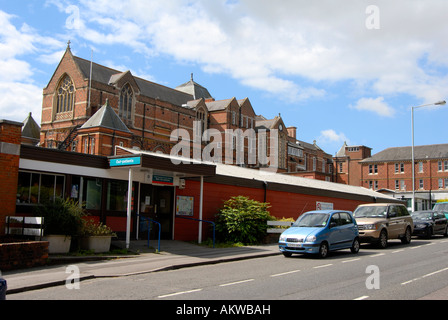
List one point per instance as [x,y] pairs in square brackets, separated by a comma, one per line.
[62,221]
[96,236]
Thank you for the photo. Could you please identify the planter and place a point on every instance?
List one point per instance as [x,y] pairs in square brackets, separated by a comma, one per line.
[97,244]
[58,243]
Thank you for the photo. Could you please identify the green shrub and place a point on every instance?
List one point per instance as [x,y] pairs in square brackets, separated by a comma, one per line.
[61,217]
[242,220]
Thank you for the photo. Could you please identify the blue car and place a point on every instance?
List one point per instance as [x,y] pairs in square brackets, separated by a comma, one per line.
[320,232]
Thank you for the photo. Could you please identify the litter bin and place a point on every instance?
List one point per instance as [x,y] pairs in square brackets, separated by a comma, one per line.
[3,287]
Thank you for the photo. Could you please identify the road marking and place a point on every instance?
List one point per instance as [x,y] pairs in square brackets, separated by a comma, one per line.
[323,266]
[361,298]
[396,251]
[284,273]
[378,255]
[237,282]
[424,276]
[351,260]
[179,293]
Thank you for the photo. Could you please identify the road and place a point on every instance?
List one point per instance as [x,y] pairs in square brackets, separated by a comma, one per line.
[399,272]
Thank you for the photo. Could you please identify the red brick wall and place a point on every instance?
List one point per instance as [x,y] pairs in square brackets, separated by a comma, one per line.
[283,204]
[10,136]
[20,255]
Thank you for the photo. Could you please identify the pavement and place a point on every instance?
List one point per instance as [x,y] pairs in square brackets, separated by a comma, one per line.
[173,255]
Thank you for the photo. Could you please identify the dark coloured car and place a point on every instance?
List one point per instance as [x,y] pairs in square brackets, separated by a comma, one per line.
[428,223]
[441,207]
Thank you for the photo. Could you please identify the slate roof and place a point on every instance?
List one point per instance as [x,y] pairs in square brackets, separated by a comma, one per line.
[30,128]
[435,151]
[194,89]
[106,118]
[105,75]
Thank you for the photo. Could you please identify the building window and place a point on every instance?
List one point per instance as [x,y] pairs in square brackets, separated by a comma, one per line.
[399,168]
[117,196]
[34,188]
[420,167]
[341,167]
[420,184]
[66,95]
[202,120]
[126,98]
[445,165]
[373,169]
[440,183]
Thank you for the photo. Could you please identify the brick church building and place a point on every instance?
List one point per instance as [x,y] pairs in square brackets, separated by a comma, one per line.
[90,108]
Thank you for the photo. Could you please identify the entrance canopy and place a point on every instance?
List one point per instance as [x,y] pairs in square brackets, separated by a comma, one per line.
[157,169]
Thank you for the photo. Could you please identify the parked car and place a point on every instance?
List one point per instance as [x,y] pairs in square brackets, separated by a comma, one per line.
[441,207]
[319,232]
[427,223]
[379,222]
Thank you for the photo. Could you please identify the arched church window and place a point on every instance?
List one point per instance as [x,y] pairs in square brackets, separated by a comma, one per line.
[66,95]
[126,96]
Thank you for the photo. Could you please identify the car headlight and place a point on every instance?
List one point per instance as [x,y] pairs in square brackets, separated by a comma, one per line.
[370,226]
[310,239]
[282,238]
[420,226]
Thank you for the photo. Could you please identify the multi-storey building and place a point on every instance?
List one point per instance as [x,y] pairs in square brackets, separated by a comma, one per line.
[390,171]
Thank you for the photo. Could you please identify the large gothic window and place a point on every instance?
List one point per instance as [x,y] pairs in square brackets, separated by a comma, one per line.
[66,95]
[126,96]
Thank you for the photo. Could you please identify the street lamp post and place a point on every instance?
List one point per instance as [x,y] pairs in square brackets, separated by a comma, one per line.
[439,103]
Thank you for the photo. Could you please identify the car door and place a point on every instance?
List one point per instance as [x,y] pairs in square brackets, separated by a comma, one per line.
[335,237]
[394,228]
[439,223]
[347,229]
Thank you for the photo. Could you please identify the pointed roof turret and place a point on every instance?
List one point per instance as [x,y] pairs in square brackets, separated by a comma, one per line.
[195,89]
[106,118]
[30,128]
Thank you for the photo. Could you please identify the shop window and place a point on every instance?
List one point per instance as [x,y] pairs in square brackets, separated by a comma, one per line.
[92,191]
[34,188]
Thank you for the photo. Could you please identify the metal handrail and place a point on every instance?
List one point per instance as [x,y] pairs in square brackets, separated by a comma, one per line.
[149,228]
[211,222]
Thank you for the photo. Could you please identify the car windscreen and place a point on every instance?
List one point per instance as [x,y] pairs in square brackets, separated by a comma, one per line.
[441,207]
[370,212]
[315,220]
[422,215]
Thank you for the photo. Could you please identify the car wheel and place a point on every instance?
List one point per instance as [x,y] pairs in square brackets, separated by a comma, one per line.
[407,236]
[355,246]
[323,250]
[287,254]
[382,243]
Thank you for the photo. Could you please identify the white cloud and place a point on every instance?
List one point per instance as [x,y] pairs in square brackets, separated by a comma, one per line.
[331,136]
[377,106]
[275,47]
[20,95]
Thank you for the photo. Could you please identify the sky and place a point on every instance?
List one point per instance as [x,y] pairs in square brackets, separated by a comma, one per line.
[340,71]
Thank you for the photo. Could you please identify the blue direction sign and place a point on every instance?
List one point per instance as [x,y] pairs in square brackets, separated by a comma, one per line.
[120,162]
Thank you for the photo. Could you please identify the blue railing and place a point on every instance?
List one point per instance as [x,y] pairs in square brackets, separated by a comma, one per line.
[149,220]
[211,222]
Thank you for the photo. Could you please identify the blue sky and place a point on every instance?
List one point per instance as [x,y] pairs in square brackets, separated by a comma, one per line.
[337,70]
